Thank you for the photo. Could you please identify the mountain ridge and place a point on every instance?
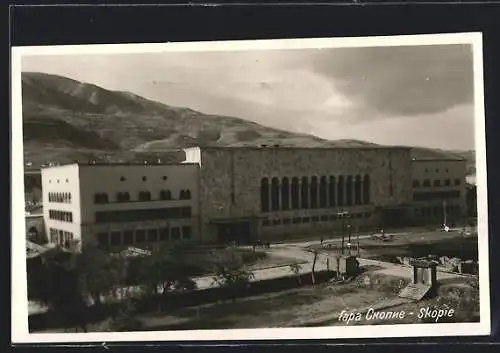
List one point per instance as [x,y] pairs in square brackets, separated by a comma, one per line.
[65,120]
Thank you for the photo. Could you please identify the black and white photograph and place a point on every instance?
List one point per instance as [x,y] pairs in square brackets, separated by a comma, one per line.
[298,188]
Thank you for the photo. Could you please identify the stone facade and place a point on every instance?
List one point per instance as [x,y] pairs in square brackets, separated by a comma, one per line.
[231,179]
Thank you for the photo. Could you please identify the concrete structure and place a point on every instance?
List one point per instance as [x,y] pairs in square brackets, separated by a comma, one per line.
[120,205]
[423,280]
[439,190]
[250,192]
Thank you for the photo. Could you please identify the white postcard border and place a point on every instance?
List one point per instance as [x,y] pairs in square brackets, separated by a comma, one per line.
[19,319]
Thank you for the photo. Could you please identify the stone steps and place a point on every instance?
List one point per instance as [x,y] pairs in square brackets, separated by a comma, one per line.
[414,291]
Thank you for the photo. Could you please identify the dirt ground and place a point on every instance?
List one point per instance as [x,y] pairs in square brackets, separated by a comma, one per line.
[319,306]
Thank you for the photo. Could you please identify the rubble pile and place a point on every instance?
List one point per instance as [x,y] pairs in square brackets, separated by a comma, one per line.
[446,264]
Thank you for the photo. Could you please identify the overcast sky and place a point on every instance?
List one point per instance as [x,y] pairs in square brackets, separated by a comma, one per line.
[413,95]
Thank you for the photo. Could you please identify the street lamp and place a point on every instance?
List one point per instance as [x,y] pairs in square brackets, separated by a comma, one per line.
[344,215]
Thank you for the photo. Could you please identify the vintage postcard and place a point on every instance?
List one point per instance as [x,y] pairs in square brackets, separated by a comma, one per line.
[250,190]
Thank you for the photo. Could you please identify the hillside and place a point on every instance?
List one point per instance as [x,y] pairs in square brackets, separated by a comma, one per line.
[65,120]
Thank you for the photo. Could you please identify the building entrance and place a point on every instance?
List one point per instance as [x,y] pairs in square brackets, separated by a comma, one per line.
[239,232]
[395,217]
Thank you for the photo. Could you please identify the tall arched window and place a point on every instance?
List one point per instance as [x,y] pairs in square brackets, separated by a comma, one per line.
[144,196]
[332,202]
[304,192]
[185,194]
[295,193]
[348,191]
[340,191]
[165,195]
[123,197]
[357,190]
[366,189]
[275,194]
[101,198]
[323,192]
[264,195]
[285,194]
[314,192]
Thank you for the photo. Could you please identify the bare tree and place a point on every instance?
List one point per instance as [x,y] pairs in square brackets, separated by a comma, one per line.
[230,272]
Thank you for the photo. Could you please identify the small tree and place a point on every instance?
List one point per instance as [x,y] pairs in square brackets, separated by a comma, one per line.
[230,272]
[99,273]
[166,270]
[296,268]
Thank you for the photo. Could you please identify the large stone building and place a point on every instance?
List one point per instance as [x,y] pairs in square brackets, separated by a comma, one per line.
[222,194]
[116,205]
[270,191]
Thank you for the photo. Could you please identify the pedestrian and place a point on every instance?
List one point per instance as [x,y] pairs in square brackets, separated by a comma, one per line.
[321,241]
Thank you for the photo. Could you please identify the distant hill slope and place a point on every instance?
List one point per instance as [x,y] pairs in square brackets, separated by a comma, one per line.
[66,120]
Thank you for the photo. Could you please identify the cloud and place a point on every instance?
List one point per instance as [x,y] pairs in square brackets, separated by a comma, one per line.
[400,81]
[450,129]
[380,94]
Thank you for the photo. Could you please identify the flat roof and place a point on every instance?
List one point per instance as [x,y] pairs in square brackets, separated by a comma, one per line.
[322,148]
[127,164]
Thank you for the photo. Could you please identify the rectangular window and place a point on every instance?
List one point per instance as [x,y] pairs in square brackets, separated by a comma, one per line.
[333,217]
[427,183]
[186,212]
[140,236]
[416,183]
[128,237]
[315,219]
[116,238]
[152,235]
[186,232]
[296,220]
[287,221]
[324,218]
[276,222]
[437,182]
[457,182]
[176,233]
[305,219]
[447,182]
[164,234]
[437,195]
[103,239]
[368,214]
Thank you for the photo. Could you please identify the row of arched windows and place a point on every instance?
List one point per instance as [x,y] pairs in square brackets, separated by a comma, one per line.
[100,198]
[62,197]
[314,192]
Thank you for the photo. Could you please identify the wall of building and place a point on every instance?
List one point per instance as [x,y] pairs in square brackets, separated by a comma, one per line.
[60,189]
[164,210]
[230,183]
[438,185]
